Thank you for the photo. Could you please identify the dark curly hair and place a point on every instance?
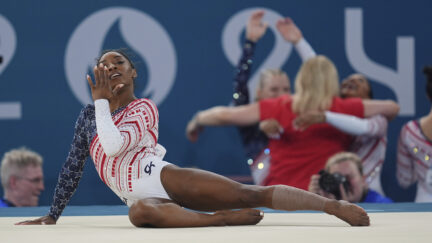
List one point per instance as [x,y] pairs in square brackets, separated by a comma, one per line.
[126,53]
[427,70]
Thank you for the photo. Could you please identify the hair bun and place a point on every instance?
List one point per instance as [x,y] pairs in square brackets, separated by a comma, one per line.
[427,70]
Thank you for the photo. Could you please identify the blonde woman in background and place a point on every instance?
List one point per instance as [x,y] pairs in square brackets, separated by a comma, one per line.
[298,154]
[272,84]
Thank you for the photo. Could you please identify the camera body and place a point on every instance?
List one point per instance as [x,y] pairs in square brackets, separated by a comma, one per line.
[330,183]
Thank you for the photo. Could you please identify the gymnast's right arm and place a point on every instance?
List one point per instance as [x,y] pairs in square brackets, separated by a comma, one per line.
[70,173]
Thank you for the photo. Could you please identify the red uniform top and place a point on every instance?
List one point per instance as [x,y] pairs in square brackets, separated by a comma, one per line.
[298,155]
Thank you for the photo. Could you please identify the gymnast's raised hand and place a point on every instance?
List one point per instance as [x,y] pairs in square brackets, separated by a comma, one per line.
[102,89]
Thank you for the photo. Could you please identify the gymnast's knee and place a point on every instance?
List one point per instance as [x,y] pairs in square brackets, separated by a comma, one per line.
[142,214]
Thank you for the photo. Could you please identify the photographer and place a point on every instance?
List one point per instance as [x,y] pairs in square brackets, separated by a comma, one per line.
[342,178]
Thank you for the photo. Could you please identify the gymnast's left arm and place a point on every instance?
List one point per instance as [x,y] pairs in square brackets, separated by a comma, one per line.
[375,126]
[406,174]
[242,115]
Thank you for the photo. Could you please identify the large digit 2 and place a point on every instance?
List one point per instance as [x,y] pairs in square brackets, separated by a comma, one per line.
[8,110]
[232,46]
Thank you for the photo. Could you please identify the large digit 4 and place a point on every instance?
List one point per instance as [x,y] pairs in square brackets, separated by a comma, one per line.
[401,80]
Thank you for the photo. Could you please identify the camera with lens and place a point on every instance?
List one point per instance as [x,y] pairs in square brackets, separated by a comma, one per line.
[330,183]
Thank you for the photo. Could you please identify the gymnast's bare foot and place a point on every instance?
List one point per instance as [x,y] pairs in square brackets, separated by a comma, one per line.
[348,212]
[247,216]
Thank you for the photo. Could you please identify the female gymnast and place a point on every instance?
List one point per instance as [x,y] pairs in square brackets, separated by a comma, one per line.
[120,133]
[414,164]
[299,153]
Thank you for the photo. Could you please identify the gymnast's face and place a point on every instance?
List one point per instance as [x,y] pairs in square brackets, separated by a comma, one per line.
[274,87]
[349,169]
[120,70]
[355,85]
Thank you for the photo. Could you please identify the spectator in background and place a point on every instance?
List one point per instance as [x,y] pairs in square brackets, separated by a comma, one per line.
[21,178]
[297,155]
[414,163]
[349,165]
[272,83]
[370,141]
[371,134]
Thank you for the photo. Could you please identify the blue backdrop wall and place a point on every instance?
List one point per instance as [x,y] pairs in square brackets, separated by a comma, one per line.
[186,52]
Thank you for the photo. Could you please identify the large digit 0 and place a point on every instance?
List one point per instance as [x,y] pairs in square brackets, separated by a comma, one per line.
[232,46]
[8,110]
[140,31]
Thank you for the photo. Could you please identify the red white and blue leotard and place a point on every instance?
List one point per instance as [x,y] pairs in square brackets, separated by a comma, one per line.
[414,160]
[122,148]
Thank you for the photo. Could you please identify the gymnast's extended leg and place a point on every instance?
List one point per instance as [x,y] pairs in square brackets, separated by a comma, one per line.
[206,191]
[163,213]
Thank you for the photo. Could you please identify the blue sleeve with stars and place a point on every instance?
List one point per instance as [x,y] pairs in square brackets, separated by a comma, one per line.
[72,169]
[241,92]
[254,141]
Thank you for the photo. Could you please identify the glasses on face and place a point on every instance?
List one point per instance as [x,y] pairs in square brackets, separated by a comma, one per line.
[33,180]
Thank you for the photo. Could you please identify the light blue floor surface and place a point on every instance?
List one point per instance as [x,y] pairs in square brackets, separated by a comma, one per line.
[99,210]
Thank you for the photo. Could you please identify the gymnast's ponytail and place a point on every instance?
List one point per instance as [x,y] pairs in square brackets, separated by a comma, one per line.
[427,70]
